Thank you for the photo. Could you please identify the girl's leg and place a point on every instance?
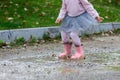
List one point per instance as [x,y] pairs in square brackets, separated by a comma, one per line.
[78,47]
[67,45]
[65,37]
[75,38]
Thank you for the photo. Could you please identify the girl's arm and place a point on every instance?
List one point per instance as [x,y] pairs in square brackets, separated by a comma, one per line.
[62,10]
[62,13]
[89,8]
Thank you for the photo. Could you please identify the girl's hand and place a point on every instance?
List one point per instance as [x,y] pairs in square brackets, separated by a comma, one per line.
[99,19]
[58,20]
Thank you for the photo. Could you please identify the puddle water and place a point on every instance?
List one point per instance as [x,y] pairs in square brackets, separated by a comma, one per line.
[36,59]
[92,60]
[103,65]
[102,62]
[114,67]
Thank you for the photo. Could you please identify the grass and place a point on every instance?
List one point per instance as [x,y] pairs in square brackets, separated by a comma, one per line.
[28,13]
[20,41]
[1,42]
[15,14]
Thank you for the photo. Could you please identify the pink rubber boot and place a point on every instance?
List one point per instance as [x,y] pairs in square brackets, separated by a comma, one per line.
[67,51]
[79,53]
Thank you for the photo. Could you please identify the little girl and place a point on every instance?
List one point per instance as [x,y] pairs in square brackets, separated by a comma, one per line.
[76,16]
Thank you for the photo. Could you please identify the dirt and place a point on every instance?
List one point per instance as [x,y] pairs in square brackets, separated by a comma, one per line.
[40,62]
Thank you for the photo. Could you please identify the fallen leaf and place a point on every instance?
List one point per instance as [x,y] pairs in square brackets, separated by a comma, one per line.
[42,14]
[37,23]
[36,9]
[25,9]
[6,12]
[10,18]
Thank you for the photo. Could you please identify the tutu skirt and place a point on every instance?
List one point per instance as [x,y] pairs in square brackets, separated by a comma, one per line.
[78,23]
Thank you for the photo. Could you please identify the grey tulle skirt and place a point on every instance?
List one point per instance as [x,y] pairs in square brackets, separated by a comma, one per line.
[77,24]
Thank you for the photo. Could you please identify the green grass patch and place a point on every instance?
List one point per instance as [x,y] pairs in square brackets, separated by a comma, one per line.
[15,14]
[28,13]
[1,42]
[117,31]
[32,40]
[20,41]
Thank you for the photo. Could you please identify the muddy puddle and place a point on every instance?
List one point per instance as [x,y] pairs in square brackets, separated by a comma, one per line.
[101,63]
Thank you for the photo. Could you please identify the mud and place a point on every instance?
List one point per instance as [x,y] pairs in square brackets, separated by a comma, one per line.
[40,62]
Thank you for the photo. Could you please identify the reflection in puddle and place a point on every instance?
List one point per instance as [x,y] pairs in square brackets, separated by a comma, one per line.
[99,64]
[68,70]
[114,68]
[36,59]
[105,59]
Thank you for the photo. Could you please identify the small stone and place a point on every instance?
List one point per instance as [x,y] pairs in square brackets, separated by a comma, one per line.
[12,72]
[3,47]
[4,64]
[42,41]
[111,32]
[25,45]
[106,34]
[8,47]
[53,55]
[105,64]
[118,63]
[29,66]
[48,72]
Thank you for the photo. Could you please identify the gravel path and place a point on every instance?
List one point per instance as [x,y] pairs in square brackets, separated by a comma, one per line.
[40,62]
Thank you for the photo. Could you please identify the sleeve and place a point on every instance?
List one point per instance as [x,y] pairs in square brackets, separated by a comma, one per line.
[89,8]
[62,10]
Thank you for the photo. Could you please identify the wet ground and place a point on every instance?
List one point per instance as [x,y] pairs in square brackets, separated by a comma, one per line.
[40,62]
